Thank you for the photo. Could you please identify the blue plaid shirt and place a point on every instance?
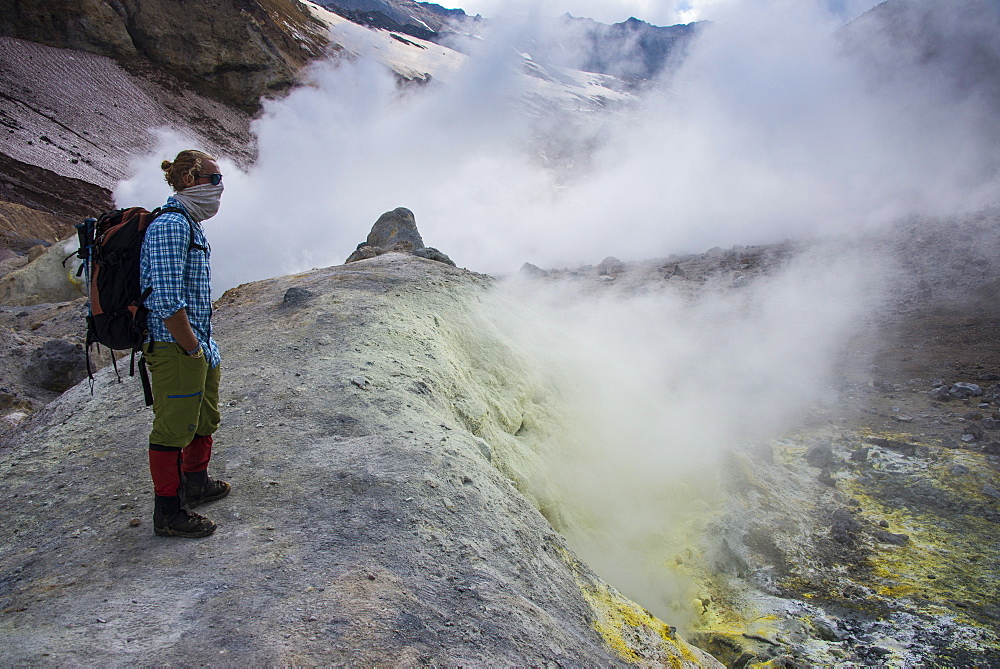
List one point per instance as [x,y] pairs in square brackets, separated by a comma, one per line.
[180,277]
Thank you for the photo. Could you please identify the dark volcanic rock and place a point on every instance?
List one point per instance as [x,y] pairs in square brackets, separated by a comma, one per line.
[963,390]
[844,528]
[396,230]
[57,366]
[433,254]
[532,271]
[940,394]
[860,455]
[974,430]
[821,455]
[891,538]
[363,252]
[296,296]
[393,228]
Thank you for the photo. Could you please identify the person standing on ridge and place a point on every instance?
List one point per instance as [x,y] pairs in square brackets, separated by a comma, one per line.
[182,357]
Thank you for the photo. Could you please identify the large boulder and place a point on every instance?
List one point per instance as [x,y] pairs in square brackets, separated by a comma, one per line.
[57,366]
[396,227]
[396,231]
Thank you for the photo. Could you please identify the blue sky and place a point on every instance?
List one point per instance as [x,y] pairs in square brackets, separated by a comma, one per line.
[658,12]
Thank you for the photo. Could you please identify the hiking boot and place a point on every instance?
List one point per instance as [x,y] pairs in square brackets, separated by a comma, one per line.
[200,488]
[170,519]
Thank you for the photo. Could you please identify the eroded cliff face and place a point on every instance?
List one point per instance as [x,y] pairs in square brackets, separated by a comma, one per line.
[235,51]
[376,429]
[87,86]
[74,121]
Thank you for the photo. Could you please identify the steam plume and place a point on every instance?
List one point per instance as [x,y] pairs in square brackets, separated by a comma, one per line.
[769,130]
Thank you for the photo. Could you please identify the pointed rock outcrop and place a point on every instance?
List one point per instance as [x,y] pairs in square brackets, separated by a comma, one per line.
[396,231]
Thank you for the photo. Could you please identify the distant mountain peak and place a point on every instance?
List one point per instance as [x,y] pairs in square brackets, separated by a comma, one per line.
[633,50]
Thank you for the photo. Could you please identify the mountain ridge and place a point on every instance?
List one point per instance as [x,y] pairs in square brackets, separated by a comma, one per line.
[633,50]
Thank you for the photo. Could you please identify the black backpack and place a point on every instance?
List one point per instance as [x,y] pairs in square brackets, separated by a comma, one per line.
[110,247]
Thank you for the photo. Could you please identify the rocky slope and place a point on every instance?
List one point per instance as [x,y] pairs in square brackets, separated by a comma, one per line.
[541,88]
[953,47]
[425,20]
[632,50]
[389,445]
[372,438]
[89,86]
[83,117]
[72,123]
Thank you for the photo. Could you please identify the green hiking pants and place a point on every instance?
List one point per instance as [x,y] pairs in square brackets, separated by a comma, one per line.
[185,395]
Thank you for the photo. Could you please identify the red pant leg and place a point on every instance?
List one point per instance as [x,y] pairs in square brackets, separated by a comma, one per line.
[165,468]
[197,454]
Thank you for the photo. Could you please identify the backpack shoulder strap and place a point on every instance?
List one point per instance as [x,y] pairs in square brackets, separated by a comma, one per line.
[177,210]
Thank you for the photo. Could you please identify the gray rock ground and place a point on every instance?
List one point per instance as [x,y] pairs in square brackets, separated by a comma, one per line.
[374,517]
[23,331]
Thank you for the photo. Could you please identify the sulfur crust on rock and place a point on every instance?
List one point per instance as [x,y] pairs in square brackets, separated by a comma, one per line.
[942,577]
[632,632]
[943,561]
[385,436]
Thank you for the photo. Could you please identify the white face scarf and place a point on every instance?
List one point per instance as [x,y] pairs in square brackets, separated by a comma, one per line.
[201,201]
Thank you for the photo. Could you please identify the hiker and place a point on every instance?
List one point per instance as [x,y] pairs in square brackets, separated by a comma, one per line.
[182,357]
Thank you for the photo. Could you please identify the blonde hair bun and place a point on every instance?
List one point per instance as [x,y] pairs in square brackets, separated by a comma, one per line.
[187,162]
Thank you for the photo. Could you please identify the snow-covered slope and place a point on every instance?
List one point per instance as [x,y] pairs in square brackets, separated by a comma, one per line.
[419,60]
[421,19]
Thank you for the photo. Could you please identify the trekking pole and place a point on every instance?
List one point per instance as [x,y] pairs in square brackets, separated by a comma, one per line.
[86,232]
